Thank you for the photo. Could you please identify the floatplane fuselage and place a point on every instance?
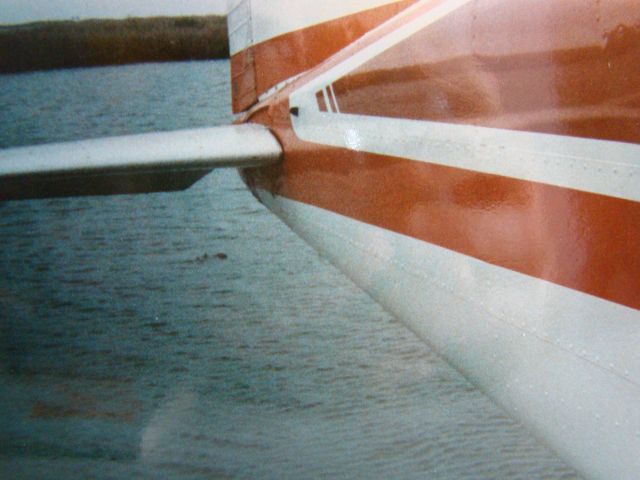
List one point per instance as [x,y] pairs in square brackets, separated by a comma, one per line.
[472,164]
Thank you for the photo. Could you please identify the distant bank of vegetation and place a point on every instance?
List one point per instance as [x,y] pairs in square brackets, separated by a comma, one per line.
[69,44]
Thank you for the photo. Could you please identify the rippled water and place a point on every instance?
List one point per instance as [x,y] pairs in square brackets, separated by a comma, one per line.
[191,335]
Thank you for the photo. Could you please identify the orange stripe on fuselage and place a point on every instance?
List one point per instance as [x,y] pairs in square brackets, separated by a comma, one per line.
[260,67]
[580,240]
[578,80]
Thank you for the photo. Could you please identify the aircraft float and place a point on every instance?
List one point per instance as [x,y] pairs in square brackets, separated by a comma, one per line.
[474,165]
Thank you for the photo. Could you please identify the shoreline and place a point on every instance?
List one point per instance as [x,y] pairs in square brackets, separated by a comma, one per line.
[93,43]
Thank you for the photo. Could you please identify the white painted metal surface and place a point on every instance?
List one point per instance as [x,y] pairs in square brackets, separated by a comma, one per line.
[597,166]
[565,363]
[254,21]
[592,165]
[229,146]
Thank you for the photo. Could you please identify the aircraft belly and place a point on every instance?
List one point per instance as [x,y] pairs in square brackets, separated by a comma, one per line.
[563,362]
[474,166]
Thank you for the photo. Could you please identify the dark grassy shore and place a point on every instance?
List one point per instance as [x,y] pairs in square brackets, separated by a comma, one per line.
[69,44]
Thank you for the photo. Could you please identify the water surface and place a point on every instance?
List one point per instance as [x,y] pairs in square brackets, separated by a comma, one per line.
[192,335]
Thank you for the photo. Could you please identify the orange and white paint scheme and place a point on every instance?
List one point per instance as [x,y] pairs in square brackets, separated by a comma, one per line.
[472,164]
[475,166]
